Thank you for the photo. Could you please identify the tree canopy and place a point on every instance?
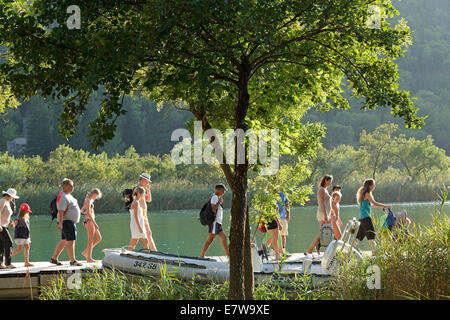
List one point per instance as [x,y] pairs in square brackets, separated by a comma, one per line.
[235,63]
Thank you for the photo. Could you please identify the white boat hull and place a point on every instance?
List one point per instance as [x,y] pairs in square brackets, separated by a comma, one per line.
[152,263]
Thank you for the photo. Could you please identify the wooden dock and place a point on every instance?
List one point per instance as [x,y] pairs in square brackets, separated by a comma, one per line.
[24,282]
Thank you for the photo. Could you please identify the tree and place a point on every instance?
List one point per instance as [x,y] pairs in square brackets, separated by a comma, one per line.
[237,64]
[375,147]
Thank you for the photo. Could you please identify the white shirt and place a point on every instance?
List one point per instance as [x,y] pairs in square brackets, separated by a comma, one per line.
[219,211]
[5,211]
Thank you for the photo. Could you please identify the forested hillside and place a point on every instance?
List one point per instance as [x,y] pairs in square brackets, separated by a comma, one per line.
[425,72]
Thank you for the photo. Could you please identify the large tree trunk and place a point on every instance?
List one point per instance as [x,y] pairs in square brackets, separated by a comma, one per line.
[239,204]
[237,232]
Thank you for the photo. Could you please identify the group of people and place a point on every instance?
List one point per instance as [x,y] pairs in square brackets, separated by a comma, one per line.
[327,214]
[328,211]
[69,215]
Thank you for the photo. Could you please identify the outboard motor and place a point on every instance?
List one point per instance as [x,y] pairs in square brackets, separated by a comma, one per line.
[344,245]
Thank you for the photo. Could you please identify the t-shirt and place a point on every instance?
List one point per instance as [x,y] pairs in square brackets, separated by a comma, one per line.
[219,212]
[22,229]
[282,206]
[73,211]
[5,212]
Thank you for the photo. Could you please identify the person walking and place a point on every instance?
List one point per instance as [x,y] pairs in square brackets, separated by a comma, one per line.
[215,228]
[365,200]
[323,214]
[5,220]
[335,218]
[137,226]
[22,233]
[93,232]
[144,182]
[284,211]
[68,217]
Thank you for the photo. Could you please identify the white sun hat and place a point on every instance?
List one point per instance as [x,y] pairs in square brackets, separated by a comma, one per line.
[11,192]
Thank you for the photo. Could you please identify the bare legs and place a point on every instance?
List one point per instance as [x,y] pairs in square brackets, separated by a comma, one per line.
[133,243]
[209,240]
[150,242]
[26,254]
[94,237]
[60,247]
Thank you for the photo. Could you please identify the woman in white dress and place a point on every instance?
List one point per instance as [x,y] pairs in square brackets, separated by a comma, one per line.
[324,208]
[137,226]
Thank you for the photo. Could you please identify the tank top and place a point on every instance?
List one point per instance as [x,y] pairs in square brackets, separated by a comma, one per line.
[321,211]
[364,209]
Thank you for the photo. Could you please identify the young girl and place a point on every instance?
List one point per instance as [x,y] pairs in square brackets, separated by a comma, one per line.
[94,236]
[22,233]
[365,200]
[137,226]
[335,219]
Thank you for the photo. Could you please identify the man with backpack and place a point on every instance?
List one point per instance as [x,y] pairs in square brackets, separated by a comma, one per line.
[215,228]
[68,216]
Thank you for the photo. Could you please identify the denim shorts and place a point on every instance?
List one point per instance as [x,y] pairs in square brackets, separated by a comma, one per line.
[69,230]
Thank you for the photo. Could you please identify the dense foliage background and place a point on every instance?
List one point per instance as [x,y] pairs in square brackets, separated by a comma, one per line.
[408,164]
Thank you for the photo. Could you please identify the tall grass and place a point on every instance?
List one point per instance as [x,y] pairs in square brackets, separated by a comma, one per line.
[412,266]
[110,284]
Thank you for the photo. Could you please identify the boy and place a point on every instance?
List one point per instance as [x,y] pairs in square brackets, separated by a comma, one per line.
[216,227]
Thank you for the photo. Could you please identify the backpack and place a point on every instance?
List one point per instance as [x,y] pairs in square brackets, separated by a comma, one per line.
[127,196]
[207,216]
[53,208]
[326,235]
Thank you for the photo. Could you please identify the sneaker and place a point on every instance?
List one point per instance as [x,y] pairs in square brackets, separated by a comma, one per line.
[75,263]
[55,261]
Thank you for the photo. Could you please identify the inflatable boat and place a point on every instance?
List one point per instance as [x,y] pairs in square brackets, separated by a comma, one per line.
[154,263]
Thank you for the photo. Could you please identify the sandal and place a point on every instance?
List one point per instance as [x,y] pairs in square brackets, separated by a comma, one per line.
[55,261]
[75,263]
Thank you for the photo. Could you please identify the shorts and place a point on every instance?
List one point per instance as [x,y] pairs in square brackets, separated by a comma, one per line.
[366,229]
[69,230]
[21,242]
[272,225]
[284,226]
[215,228]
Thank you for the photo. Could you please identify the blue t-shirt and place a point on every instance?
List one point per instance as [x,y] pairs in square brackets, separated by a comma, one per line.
[282,206]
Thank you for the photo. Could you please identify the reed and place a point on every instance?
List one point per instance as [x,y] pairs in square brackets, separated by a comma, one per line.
[411,267]
[108,284]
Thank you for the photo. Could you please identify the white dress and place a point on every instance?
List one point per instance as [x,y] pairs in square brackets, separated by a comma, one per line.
[135,234]
[324,212]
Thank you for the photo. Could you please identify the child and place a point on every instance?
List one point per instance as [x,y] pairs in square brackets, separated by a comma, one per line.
[335,219]
[22,233]
[137,226]
[94,236]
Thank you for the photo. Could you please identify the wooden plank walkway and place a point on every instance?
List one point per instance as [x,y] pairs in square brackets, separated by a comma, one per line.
[24,282]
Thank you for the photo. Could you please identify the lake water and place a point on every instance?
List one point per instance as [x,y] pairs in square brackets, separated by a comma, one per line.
[180,232]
